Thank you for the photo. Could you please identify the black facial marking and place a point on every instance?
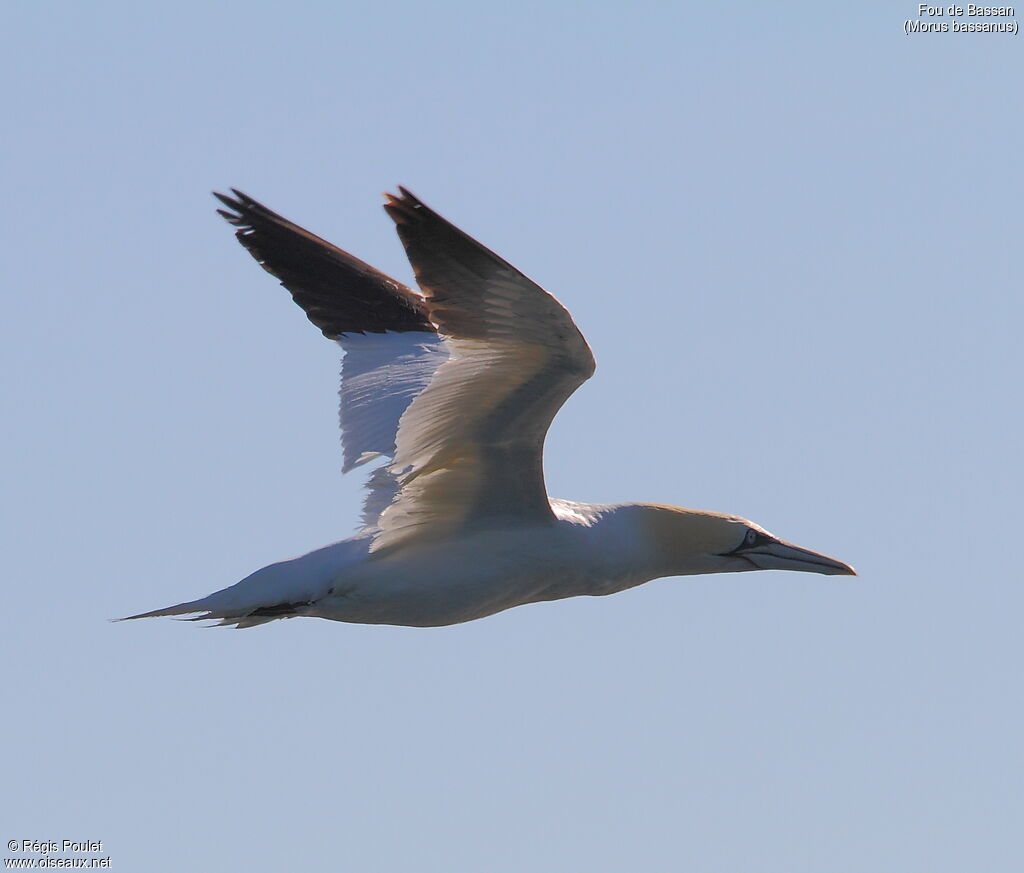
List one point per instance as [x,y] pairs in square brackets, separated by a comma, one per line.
[751,540]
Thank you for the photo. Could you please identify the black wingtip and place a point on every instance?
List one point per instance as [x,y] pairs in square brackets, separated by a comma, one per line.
[409,196]
[236,215]
[242,203]
[246,200]
[338,292]
[404,206]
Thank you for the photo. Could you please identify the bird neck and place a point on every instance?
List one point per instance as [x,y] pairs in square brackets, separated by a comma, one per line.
[678,541]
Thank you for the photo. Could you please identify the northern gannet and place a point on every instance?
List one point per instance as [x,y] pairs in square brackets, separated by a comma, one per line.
[455,389]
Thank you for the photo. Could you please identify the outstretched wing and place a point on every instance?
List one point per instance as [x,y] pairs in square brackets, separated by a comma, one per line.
[391,348]
[339,293]
[469,447]
[458,386]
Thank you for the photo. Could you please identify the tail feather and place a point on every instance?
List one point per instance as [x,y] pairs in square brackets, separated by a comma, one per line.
[221,619]
[177,609]
[282,590]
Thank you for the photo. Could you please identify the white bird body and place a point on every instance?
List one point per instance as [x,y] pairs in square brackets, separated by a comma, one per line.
[455,390]
[589,550]
[460,579]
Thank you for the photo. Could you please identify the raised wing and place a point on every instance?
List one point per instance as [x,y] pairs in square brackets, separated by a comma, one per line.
[391,348]
[338,292]
[469,448]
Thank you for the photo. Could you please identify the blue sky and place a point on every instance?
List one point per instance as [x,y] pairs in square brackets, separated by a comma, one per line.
[791,235]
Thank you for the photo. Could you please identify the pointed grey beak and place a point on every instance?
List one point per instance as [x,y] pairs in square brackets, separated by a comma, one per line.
[778,555]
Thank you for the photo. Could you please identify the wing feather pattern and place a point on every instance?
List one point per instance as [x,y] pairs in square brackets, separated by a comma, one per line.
[469,449]
[390,347]
[457,387]
[338,292]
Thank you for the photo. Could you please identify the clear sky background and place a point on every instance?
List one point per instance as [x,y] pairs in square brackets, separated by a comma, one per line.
[792,235]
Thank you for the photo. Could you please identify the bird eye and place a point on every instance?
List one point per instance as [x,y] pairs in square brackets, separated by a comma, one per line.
[751,537]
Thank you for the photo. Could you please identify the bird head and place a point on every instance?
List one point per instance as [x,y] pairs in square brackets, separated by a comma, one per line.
[694,541]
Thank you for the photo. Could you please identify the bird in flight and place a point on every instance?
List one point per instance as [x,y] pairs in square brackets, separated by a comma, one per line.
[451,390]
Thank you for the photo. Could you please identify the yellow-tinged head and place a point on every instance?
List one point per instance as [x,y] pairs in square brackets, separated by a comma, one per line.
[694,541]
